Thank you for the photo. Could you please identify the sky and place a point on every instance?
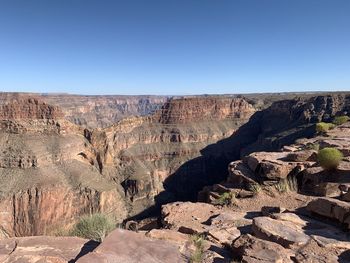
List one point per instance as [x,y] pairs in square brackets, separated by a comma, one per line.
[168,47]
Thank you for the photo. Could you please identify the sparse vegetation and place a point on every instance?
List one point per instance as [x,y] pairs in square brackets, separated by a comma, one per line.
[255,188]
[227,198]
[323,127]
[94,226]
[289,184]
[329,158]
[339,120]
[198,242]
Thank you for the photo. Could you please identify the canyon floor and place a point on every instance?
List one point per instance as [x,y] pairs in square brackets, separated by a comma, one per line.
[228,179]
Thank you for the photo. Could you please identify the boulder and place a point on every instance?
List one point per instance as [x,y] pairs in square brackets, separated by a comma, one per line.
[331,208]
[284,233]
[130,247]
[270,165]
[302,156]
[224,236]
[240,174]
[319,182]
[250,249]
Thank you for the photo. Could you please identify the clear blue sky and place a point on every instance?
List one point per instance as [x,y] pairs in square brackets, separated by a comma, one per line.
[174,47]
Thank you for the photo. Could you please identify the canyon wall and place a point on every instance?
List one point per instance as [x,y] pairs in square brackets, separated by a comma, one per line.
[142,153]
[103,111]
[94,111]
[52,171]
[46,180]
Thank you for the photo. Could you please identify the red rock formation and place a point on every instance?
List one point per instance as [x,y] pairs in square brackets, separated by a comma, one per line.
[30,108]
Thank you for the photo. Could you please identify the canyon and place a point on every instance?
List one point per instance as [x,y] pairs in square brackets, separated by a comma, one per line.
[55,167]
[53,171]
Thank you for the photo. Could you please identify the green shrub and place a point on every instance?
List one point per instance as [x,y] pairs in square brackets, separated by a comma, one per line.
[225,199]
[329,158]
[254,187]
[339,120]
[96,227]
[198,242]
[323,127]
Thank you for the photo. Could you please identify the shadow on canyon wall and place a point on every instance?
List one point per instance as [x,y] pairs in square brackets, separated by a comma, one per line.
[269,130]
[211,166]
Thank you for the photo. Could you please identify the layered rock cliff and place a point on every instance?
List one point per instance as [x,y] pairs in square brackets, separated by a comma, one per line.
[103,111]
[94,111]
[46,180]
[52,171]
[142,153]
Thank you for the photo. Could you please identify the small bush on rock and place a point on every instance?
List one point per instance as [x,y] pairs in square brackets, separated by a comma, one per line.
[339,120]
[96,227]
[225,199]
[329,158]
[255,188]
[323,127]
[198,242]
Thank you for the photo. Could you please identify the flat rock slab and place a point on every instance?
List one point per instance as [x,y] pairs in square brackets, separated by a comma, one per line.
[180,240]
[231,218]
[284,233]
[187,217]
[122,246]
[290,217]
[46,249]
[168,235]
